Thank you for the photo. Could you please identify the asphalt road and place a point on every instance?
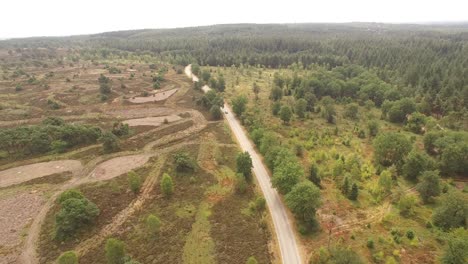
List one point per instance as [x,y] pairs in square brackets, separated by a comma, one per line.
[284,233]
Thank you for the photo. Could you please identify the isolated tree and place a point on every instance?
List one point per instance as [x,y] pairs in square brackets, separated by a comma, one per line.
[153,224]
[452,211]
[286,175]
[276,93]
[68,257]
[134,181]
[301,107]
[110,143]
[303,200]
[385,181]
[429,186]
[354,192]
[391,148]
[167,186]
[221,85]
[406,204]
[345,187]
[239,105]
[256,89]
[415,163]
[416,123]
[215,112]
[275,108]
[183,162]
[115,251]
[195,68]
[351,111]
[329,113]
[120,129]
[244,165]
[206,75]
[373,128]
[74,213]
[285,114]
[456,250]
[314,175]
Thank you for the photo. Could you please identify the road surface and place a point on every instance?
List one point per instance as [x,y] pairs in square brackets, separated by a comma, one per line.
[285,234]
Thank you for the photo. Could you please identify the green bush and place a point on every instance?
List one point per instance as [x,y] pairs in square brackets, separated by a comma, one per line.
[167,186]
[74,214]
[115,251]
[134,181]
[68,257]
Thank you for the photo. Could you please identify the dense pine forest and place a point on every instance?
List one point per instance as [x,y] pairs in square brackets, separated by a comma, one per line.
[427,62]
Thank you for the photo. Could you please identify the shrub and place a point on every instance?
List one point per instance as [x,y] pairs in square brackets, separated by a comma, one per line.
[134,181]
[452,211]
[153,224]
[410,234]
[429,186]
[72,193]
[167,186]
[391,148]
[183,162]
[110,142]
[244,165]
[115,251]
[74,214]
[68,257]
[251,260]
[370,243]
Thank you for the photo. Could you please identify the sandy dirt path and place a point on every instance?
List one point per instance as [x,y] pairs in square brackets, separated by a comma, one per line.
[29,172]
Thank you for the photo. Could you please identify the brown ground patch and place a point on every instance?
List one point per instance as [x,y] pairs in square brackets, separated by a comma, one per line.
[13,221]
[237,236]
[28,172]
[117,166]
[156,97]
[152,121]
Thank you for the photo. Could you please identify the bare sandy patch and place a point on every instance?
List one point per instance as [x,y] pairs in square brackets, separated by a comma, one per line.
[152,121]
[141,112]
[156,97]
[117,166]
[13,221]
[28,172]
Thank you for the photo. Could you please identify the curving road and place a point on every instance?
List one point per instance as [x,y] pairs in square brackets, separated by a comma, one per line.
[285,234]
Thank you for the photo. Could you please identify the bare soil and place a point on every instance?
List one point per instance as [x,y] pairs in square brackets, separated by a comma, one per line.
[13,222]
[28,172]
[152,121]
[117,166]
[156,97]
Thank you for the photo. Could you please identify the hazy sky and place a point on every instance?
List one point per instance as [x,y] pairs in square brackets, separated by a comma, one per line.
[23,18]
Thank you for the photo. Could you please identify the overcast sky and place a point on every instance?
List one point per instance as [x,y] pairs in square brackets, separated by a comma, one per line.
[24,18]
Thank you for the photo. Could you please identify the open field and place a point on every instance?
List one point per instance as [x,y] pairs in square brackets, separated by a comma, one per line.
[160,124]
